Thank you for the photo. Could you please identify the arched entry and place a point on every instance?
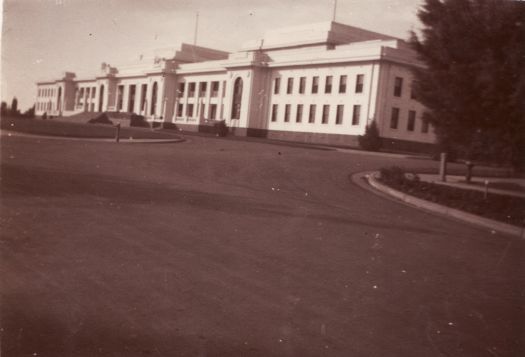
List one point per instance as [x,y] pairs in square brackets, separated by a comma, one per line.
[237,98]
[101,98]
[154,98]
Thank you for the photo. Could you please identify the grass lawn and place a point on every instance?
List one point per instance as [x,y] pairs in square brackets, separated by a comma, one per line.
[502,208]
[510,186]
[219,247]
[57,128]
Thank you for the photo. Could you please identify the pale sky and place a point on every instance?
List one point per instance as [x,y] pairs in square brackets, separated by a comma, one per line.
[43,38]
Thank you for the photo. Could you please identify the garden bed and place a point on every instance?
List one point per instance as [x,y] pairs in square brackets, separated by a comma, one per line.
[52,127]
[507,209]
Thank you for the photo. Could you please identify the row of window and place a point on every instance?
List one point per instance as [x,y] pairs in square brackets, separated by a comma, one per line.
[203,87]
[132,93]
[314,86]
[43,106]
[46,92]
[411,121]
[325,114]
[87,91]
[190,110]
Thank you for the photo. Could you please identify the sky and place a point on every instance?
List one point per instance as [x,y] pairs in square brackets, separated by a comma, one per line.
[41,39]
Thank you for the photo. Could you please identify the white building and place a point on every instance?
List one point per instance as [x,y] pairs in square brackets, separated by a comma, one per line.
[317,83]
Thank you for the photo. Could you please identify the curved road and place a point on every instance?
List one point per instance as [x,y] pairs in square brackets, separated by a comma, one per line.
[218,247]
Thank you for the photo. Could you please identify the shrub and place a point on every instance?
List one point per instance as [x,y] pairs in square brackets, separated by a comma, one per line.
[101,119]
[138,120]
[398,176]
[44,116]
[221,129]
[370,141]
[169,126]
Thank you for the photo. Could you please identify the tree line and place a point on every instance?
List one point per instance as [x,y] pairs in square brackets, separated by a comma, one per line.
[13,110]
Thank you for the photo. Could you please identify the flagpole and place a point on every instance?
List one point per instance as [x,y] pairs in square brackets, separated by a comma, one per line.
[196,28]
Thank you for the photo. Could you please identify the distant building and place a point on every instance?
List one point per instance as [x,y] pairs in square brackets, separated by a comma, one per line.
[317,83]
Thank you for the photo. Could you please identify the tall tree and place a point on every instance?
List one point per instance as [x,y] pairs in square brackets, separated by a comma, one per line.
[14,106]
[474,80]
[4,109]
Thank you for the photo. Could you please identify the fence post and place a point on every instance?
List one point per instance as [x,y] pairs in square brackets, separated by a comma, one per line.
[443,167]
[117,132]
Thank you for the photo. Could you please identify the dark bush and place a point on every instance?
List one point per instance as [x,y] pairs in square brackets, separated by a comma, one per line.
[370,141]
[138,120]
[44,116]
[398,176]
[221,129]
[156,124]
[169,126]
[101,119]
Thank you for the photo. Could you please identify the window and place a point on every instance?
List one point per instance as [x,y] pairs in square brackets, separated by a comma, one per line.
[359,80]
[411,120]
[153,104]
[237,98]
[328,84]
[424,126]
[302,85]
[131,98]
[203,110]
[213,108]
[287,113]
[143,97]
[311,116]
[203,86]
[342,84]
[277,85]
[299,113]
[356,114]
[339,115]
[315,84]
[398,86]
[180,109]
[412,91]
[180,90]
[326,113]
[93,91]
[275,108]
[101,98]
[215,89]
[191,89]
[289,87]
[80,95]
[394,119]
[189,110]
[120,96]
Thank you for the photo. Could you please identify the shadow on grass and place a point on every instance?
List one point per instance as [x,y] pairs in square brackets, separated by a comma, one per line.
[38,182]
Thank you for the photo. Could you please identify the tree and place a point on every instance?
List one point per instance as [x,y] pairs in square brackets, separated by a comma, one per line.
[4,110]
[473,82]
[371,141]
[30,113]
[14,107]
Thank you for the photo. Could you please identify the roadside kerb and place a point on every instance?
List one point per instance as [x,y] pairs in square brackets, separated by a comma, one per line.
[440,209]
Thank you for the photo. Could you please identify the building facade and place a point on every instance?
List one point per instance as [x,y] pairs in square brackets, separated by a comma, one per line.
[320,83]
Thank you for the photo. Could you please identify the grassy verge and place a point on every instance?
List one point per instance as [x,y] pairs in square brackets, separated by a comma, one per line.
[510,186]
[77,130]
[506,209]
